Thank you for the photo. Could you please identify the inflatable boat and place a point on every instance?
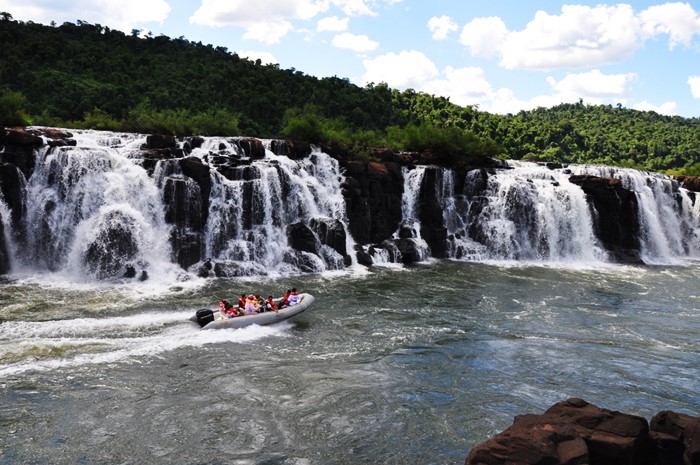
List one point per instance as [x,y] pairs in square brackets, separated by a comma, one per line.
[214,319]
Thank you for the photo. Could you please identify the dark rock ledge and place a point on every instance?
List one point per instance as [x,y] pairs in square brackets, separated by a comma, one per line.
[574,432]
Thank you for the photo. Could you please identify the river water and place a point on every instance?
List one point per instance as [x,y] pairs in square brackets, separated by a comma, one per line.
[392,365]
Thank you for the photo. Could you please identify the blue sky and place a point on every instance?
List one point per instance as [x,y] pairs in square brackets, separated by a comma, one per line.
[503,55]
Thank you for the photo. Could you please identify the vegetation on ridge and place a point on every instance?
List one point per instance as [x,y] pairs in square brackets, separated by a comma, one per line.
[90,76]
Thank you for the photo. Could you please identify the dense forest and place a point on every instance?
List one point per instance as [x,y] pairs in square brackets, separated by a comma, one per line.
[90,76]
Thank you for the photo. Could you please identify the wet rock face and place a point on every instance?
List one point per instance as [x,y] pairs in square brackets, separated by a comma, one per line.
[574,432]
[4,255]
[113,247]
[617,222]
[300,237]
[430,213]
[372,194]
[330,232]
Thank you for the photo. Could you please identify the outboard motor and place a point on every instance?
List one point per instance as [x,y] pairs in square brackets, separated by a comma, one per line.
[204,316]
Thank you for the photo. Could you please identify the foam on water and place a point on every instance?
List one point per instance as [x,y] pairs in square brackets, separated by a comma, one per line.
[49,345]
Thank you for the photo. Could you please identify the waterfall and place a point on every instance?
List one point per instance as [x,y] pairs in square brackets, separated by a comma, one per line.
[668,220]
[250,214]
[124,206]
[527,213]
[114,207]
[93,211]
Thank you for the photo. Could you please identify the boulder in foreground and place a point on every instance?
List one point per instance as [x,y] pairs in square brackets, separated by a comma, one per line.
[575,432]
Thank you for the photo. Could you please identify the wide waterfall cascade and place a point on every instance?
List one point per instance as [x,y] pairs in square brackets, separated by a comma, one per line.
[110,208]
[127,206]
[669,219]
[527,213]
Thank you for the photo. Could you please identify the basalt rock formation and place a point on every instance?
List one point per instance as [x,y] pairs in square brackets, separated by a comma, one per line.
[617,220]
[575,432]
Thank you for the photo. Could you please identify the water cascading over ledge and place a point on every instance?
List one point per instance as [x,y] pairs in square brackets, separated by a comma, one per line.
[109,206]
[558,215]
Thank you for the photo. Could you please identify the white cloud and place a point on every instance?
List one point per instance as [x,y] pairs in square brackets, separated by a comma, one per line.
[484,36]
[442,26]
[403,70]
[266,58]
[694,83]
[268,32]
[666,108]
[679,20]
[354,7]
[358,43]
[464,86]
[123,15]
[332,23]
[593,85]
[580,36]
[242,12]
[264,20]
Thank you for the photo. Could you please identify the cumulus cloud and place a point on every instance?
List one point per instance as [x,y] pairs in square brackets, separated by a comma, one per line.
[268,32]
[266,21]
[580,36]
[123,15]
[408,68]
[333,24]
[666,108]
[484,36]
[242,12]
[593,85]
[442,26]
[694,83]
[358,43]
[269,20]
[679,20]
[464,86]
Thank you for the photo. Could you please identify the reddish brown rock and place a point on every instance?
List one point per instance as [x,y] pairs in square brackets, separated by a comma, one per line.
[22,136]
[677,438]
[692,183]
[571,432]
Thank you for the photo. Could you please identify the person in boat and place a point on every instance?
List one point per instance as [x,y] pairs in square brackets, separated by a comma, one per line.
[250,305]
[285,299]
[293,297]
[228,309]
[241,303]
[259,304]
[270,304]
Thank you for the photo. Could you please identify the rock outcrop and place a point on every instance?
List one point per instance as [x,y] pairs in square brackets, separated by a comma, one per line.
[575,432]
[692,183]
[372,194]
[617,220]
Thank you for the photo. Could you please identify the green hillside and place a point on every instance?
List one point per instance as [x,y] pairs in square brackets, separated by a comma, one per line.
[89,76]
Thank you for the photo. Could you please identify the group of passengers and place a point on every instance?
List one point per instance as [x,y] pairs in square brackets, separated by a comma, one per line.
[253,304]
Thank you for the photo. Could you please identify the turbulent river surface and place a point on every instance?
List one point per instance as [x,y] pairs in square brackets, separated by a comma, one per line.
[394,365]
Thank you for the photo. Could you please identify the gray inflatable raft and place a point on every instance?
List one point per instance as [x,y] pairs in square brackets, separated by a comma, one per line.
[213,319]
